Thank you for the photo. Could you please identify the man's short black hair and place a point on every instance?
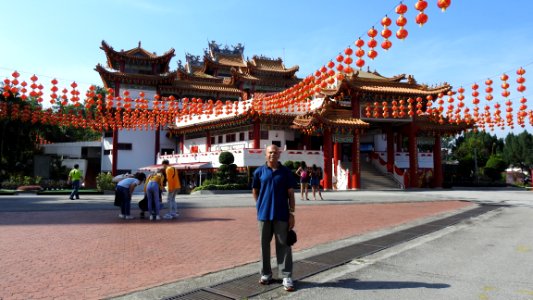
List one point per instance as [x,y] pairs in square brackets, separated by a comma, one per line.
[165,162]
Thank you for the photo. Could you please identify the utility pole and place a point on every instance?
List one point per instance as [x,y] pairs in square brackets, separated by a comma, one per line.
[475,165]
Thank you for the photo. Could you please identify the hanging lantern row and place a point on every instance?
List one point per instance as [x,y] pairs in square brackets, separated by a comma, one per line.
[325,76]
[126,112]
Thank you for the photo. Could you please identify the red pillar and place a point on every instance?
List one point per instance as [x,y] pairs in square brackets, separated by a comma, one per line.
[413,157]
[390,150]
[327,159]
[257,134]
[306,141]
[437,163]
[355,180]
[114,151]
[208,141]
[356,164]
[399,138]
[336,155]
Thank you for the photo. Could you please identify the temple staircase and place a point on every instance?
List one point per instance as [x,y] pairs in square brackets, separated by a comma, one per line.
[373,179]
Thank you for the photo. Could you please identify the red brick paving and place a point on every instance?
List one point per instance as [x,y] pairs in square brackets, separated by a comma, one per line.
[93,254]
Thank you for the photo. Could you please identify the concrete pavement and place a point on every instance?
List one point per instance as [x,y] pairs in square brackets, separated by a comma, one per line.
[80,249]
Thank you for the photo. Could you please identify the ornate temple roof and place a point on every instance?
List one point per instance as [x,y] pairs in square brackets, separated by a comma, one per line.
[179,85]
[269,65]
[137,55]
[375,83]
[329,116]
[110,76]
[227,56]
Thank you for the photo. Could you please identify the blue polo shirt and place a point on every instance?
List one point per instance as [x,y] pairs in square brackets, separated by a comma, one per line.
[273,199]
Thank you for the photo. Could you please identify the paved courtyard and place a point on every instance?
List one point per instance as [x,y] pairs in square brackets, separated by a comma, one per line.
[56,249]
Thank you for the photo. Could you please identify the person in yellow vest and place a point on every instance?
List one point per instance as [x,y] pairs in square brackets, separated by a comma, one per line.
[173,188]
[75,178]
[152,189]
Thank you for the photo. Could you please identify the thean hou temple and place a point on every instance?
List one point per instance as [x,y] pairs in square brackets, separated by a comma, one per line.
[366,130]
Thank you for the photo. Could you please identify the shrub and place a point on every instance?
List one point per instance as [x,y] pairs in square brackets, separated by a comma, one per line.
[104,182]
[17,180]
[289,164]
[226,158]
[222,187]
[227,172]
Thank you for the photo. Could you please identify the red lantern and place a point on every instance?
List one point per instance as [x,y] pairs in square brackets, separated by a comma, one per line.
[386,21]
[444,4]
[386,44]
[360,63]
[401,21]
[401,33]
[401,8]
[421,19]
[372,32]
[348,51]
[372,53]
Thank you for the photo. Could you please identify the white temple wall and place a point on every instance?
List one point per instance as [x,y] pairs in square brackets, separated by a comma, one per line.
[142,151]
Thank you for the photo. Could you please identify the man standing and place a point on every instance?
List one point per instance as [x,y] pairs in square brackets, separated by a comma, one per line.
[173,187]
[274,196]
[75,177]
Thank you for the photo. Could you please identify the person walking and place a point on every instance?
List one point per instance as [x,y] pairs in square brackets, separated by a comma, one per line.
[124,192]
[303,173]
[75,178]
[272,189]
[152,189]
[173,188]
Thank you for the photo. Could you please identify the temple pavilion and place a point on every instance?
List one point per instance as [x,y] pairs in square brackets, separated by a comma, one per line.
[362,125]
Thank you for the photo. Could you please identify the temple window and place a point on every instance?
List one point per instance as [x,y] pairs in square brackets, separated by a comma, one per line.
[241,136]
[124,146]
[213,140]
[264,134]
[230,138]
[165,151]
[220,139]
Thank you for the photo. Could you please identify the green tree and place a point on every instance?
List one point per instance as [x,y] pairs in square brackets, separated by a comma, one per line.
[494,167]
[20,134]
[474,149]
[518,151]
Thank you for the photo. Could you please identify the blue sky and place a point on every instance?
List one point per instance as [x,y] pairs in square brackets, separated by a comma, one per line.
[472,41]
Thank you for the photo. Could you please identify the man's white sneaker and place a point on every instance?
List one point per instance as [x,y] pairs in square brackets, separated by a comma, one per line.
[265,279]
[288,285]
[168,217]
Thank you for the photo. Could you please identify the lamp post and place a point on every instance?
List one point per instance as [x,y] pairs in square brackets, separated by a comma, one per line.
[200,181]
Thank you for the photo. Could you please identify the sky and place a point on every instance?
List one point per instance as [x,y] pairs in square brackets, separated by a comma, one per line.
[470,42]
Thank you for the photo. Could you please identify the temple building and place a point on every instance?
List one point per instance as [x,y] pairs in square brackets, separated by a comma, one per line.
[365,130]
